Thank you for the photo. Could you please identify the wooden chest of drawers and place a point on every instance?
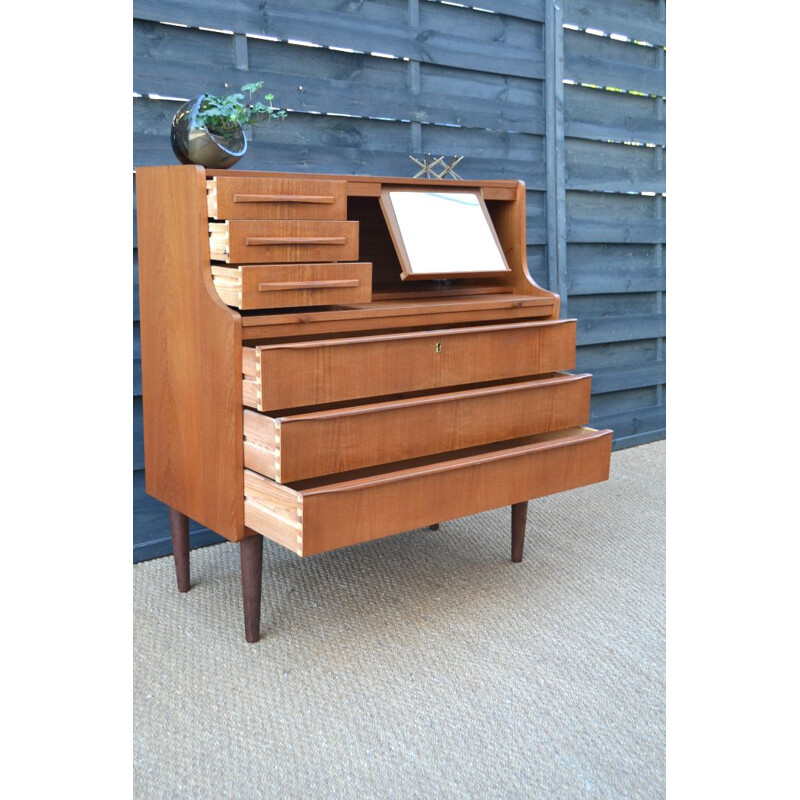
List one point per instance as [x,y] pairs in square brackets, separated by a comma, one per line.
[295,388]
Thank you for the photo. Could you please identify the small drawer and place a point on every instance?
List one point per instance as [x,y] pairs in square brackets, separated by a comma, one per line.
[254,286]
[323,514]
[308,373]
[300,446]
[275,198]
[277,241]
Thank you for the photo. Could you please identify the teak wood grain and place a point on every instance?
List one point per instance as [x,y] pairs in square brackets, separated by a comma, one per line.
[260,197]
[300,446]
[338,512]
[408,314]
[331,370]
[261,286]
[384,415]
[277,241]
[191,357]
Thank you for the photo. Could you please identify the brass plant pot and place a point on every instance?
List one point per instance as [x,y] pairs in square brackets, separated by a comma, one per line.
[192,143]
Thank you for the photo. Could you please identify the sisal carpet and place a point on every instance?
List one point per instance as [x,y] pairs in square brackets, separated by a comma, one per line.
[424,665]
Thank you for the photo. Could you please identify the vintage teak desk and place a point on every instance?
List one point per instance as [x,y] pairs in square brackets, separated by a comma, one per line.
[327,360]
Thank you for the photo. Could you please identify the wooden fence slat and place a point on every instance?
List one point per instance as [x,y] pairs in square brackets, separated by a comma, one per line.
[524,9]
[628,376]
[590,357]
[635,20]
[638,231]
[602,113]
[647,419]
[479,26]
[604,167]
[600,283]
[600,72]
[628,130]
[618,329]
[616,305]
[606,268]
[346,30]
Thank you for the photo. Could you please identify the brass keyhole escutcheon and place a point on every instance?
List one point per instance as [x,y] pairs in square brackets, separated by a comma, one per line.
[438,347]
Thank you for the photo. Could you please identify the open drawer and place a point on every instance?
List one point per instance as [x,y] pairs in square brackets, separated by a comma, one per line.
[298,446]
[323,514]
[276,241]
[308,373]
[255,286]
[238,197]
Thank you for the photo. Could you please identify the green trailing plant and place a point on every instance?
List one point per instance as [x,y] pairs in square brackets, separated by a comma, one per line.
[222,115]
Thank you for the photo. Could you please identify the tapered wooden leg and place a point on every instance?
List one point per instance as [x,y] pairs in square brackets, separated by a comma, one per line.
[179,526]
[519,516]
[434,527]
[251,552]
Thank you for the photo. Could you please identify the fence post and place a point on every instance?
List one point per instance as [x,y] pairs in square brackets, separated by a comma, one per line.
[554,151]
[414,80]
[659,248]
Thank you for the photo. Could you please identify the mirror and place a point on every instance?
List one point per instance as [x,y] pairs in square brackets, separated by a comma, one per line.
[446,234]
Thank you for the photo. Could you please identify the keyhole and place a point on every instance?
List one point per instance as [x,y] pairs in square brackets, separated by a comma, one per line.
[438,347]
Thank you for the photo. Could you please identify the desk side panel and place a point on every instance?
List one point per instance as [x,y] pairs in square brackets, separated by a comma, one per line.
[191,357]
[509,222]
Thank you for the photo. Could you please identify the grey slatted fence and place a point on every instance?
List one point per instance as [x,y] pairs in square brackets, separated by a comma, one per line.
[614,110]
[371,81]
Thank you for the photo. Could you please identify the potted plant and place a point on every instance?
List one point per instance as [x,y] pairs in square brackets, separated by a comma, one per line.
[210,130]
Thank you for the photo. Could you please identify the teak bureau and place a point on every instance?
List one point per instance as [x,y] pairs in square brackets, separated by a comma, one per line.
[308,378]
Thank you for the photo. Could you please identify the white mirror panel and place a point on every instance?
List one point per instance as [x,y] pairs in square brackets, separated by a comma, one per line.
[445,233]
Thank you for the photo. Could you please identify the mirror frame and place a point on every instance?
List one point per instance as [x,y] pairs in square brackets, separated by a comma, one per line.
[396,234]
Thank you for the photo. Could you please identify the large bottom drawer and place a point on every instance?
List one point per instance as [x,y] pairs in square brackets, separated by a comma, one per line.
[322,514]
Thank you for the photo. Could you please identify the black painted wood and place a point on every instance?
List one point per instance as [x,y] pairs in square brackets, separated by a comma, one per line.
[617,116]
[183,62]
[483,43]
[636,19]
[621,328]
[556,187]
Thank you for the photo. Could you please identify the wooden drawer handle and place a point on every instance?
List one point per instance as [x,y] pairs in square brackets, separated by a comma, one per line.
[283,198]
[255,241]
[278,287]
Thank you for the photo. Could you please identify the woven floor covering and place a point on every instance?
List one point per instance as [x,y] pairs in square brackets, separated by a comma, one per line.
[424,665]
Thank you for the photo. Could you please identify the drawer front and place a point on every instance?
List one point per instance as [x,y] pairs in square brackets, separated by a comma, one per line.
[314,516]
[301,446]
[276,198]
[277,241]
[300,374]
[254,286]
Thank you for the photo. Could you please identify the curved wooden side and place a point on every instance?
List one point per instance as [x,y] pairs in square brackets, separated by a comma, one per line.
[191,356]
[509,222]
